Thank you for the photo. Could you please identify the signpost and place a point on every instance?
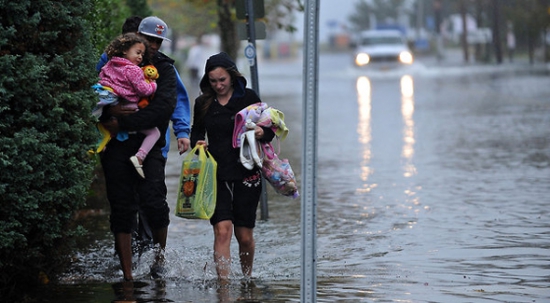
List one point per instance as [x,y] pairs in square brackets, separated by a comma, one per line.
[309,157]
[251,10]
[308,284]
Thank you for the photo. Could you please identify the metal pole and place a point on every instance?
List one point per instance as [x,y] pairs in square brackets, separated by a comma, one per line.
[252,41]
[251,29]
[309,156]
[419,18]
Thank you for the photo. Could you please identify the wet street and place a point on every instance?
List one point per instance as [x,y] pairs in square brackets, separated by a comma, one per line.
[432,183]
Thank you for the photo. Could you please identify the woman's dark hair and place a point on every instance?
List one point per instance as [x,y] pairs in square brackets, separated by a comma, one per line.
[123,43]
[208,93]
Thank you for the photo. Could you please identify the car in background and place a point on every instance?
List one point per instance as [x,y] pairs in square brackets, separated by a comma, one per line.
[382,48]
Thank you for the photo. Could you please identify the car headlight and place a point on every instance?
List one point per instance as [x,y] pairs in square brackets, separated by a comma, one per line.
[406,57]
[362,59]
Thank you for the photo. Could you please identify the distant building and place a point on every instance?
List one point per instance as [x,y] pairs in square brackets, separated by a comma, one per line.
[451,27]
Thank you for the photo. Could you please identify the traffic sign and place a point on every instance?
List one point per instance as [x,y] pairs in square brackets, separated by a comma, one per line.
[260,29]
[240,8]
[250,53]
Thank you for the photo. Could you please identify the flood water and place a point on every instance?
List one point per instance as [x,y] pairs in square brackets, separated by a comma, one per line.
[432,186]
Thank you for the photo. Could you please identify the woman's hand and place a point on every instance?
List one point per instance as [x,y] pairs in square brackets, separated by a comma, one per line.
[258,132]
[202,142]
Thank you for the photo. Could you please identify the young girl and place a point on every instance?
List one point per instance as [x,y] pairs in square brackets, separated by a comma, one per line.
[122,77]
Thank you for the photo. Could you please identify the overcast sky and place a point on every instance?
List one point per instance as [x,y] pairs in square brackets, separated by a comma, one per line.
[332,14]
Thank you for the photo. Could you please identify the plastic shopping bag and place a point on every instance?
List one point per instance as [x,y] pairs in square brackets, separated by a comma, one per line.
[198,186]
[278,173]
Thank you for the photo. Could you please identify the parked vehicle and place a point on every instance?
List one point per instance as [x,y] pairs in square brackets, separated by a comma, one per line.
[382,47]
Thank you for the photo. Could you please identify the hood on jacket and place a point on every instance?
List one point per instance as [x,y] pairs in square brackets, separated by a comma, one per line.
[221,60]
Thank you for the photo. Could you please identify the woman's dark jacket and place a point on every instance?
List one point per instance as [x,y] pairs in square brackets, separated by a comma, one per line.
[218,125]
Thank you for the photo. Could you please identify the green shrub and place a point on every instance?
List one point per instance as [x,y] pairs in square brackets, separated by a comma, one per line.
[140,7]
[106,19]
[47,67]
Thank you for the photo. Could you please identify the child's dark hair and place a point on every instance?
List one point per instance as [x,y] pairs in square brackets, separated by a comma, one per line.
[124,42]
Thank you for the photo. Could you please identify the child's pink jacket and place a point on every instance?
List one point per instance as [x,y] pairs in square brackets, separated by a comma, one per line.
[126,79]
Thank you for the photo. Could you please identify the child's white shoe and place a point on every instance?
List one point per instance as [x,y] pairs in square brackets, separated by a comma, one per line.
[254,148]
[139,167]
[245,154]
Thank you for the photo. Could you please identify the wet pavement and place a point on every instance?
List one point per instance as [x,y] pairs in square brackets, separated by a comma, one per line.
[432,187]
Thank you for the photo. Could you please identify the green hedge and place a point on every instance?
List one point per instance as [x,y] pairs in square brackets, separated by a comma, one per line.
[106,21]
[47,67]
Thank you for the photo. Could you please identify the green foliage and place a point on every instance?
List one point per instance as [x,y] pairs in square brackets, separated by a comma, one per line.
[190,18]
[383,10]
[197,17]
[528,19]
[139,8]
[360,20]
[106,19]
[47,62]
[280,14]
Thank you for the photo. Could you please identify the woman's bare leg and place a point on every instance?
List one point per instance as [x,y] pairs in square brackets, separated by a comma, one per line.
[223,231]
[247,246]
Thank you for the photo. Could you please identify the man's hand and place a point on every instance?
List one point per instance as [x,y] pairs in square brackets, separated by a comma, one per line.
[112,126]
[120,110]
[183,144]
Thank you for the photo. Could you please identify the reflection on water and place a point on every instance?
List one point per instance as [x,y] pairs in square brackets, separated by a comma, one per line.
[459,212]
[407,110]
[364,128]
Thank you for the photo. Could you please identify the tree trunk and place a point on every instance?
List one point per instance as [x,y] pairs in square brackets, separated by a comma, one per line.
[496,31]
[173,45]
[228,32]
[531,48]
[479,20]
[464,31]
